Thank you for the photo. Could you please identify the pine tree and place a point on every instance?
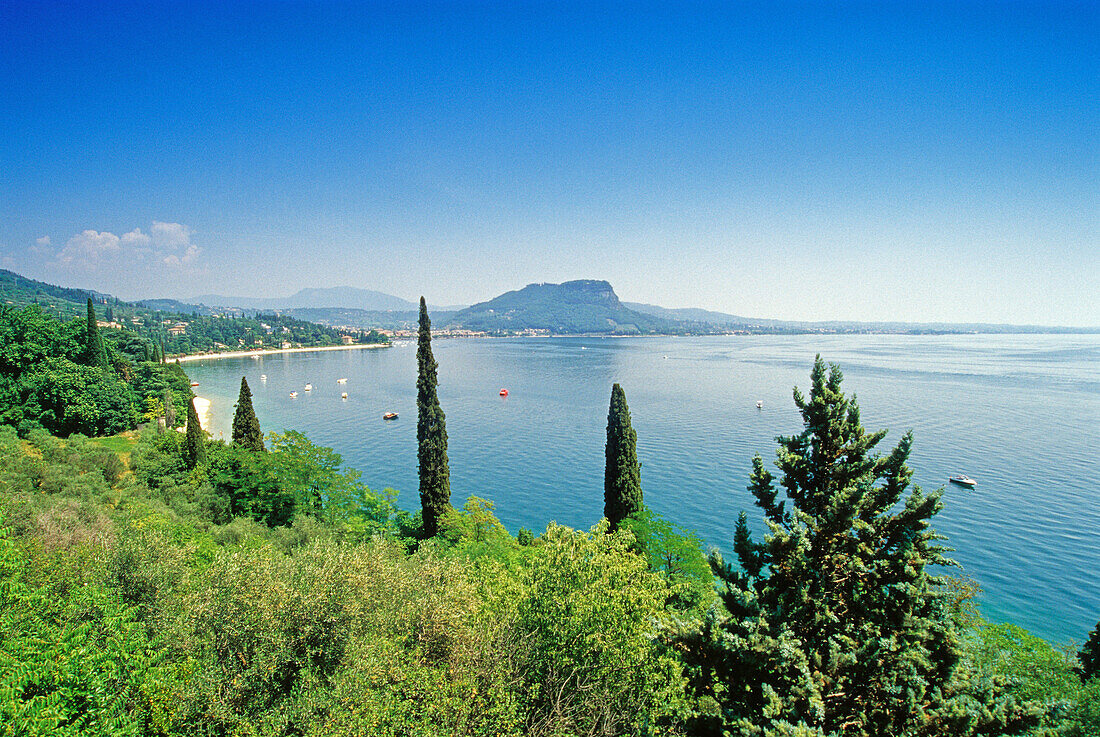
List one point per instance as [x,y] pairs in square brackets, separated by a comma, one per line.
[1089,656]
[622,477]
[246,428]
[833,621]
[431,432]
[194,450]
[95,352]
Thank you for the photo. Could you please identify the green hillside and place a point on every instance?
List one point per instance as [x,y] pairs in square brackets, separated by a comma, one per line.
[176,330]
[19,291]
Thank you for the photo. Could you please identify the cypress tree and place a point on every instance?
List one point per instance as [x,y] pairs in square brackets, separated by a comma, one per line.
[246,428]
[95,353]
[622,477]
[193,449]
[833,623]
[169,408]
[431,432]
[1089,656]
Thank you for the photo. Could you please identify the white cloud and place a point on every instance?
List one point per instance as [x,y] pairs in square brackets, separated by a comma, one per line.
[135,238]
[166,244]
[43,241]
[89,249]
[172,236]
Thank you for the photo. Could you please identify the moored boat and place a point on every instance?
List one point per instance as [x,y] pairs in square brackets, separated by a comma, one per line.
[962,480]
[503,392]
[309,387]
[341,381]
[293,395]
[389,416]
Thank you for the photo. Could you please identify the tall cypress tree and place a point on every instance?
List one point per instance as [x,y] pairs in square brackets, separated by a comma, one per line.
[95,353]
[194,451]
[834,621]
[169,401]
[246,428]
[431,432]
[622,477]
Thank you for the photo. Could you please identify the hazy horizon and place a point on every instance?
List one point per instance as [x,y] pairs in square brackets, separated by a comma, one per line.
[790,161]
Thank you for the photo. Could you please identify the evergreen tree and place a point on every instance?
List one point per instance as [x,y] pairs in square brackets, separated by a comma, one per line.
[1089,656]
[169,408]
[95,352]
[622,477]
[834,625]
[431,432]
[194,450]
[246,428]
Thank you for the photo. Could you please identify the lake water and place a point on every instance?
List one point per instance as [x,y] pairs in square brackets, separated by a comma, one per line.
[1019,413]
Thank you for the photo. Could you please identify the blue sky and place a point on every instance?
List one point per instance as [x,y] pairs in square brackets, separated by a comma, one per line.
[802,160]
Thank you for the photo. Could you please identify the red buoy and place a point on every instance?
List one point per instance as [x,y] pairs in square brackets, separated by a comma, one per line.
[503,392]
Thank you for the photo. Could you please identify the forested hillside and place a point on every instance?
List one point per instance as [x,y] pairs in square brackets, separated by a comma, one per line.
[172,331]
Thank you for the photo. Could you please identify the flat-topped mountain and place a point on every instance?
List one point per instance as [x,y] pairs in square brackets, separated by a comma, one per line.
[582,306]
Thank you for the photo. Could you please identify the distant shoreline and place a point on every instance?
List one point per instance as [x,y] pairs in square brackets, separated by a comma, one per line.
[276,351]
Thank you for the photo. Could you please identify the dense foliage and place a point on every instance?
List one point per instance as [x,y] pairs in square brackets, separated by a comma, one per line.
[67,379]
[132,607]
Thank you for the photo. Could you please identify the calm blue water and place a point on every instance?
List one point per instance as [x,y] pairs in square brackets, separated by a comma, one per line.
[1018,413]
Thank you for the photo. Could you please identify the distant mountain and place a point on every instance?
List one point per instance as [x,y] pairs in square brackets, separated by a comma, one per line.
[347,297]
[691,314]
[369,319]
[174,305]
[583,306]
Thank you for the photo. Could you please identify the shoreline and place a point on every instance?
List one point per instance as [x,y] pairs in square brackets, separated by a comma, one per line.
[274,351]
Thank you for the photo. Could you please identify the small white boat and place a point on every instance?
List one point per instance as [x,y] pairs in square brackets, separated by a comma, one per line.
[760,404]
[293,395]
[344,395]
[309,387]
[962,480]
[263,377]
[341,381]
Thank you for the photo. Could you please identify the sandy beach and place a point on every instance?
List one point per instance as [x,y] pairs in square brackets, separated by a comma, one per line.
[274,351]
